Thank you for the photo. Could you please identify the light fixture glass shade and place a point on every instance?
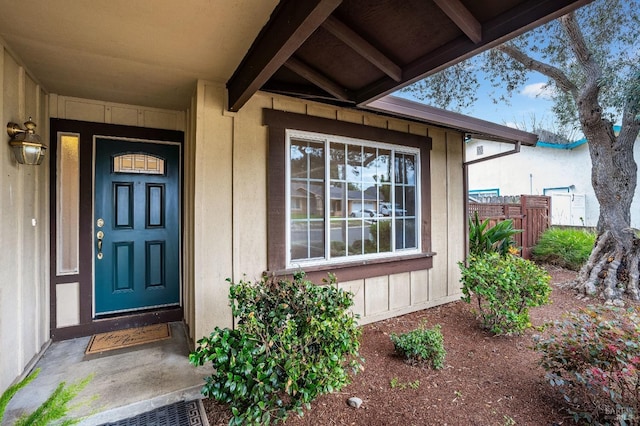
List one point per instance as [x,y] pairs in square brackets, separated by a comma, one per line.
[25,144]
[27,153]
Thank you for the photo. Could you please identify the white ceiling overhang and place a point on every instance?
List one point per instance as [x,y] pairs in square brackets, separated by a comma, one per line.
[142,52]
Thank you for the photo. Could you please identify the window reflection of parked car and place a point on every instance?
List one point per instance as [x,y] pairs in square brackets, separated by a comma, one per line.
[386,210]
[363,213]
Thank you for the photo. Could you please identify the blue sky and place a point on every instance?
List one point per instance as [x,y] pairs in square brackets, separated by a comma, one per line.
[533,99]
[530,99]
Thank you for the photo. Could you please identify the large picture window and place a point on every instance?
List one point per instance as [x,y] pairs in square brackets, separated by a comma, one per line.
[346,198]
[350,199]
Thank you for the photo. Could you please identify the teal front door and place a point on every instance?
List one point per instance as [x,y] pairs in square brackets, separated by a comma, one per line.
[136,225]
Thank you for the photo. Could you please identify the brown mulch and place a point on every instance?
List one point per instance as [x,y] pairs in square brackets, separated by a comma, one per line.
[486,380]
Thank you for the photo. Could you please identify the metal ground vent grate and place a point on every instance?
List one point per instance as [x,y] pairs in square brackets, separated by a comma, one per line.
[178,414]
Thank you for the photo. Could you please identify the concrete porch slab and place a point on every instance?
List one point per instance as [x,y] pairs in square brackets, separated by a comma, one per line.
[125,383]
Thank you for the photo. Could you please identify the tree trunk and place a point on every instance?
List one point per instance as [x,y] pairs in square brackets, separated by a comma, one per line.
[612,268]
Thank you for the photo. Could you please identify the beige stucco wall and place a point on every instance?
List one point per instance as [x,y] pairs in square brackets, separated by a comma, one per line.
[24,227]
[230,209]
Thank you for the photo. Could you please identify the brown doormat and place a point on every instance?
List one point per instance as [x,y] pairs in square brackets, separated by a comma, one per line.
[126,338]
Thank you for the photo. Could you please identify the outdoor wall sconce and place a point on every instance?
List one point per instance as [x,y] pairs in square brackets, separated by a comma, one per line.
[25,143]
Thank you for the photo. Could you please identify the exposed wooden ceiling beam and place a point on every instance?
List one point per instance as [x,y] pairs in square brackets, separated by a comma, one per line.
[316,78]
[461,16]
[303,91]
[291,23]
[502,28]
[362,47]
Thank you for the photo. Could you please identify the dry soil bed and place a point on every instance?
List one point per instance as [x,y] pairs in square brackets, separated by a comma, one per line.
[486,380]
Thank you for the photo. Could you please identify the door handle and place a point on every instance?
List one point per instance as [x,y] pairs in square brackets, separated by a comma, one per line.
[100,236]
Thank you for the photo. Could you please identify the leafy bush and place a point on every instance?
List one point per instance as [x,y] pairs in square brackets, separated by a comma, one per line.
[593,358]
[485,239]
[504,287]
[338,248]
[54,409]
[382,227]
[569,248]
[421,346]
[293,342]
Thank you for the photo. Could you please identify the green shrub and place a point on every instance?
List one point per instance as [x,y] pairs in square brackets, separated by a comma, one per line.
[383,228]
[338,248]
[593,358]
[293,342]
[421,346]
[54,410]
[485,239]
[504,287]
[568,248]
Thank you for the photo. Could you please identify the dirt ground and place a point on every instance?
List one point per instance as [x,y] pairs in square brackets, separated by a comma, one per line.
[486,380]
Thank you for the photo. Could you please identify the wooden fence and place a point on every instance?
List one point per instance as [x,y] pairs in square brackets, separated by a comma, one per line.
[532,214]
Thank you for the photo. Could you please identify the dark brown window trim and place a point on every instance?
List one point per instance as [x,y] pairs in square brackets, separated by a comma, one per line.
[279,122]
[364,268]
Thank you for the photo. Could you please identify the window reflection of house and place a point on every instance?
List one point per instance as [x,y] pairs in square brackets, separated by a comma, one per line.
[309,199]
[356,200]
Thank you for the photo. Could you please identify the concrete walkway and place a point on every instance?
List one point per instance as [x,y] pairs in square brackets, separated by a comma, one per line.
[126,382]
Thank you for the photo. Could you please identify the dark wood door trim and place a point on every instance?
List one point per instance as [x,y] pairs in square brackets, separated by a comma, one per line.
[87,131]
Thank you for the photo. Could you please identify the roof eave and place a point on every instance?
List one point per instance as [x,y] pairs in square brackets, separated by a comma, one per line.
[425,113]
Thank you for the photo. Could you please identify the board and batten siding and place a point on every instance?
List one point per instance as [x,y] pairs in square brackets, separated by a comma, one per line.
[97,111]
[225,211]
[24,227]
[230,208]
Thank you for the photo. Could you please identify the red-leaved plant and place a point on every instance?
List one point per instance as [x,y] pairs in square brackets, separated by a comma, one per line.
[593,358]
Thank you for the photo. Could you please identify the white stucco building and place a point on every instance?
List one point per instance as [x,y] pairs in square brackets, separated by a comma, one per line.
[562,171]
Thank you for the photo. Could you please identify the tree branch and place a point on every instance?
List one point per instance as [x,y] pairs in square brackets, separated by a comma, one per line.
[630,114]
[554,73]
[578,44]
[592,70]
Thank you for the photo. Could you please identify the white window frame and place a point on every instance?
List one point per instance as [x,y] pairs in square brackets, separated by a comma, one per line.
[327,139]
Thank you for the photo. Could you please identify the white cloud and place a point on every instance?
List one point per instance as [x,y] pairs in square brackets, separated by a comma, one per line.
[538,90]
